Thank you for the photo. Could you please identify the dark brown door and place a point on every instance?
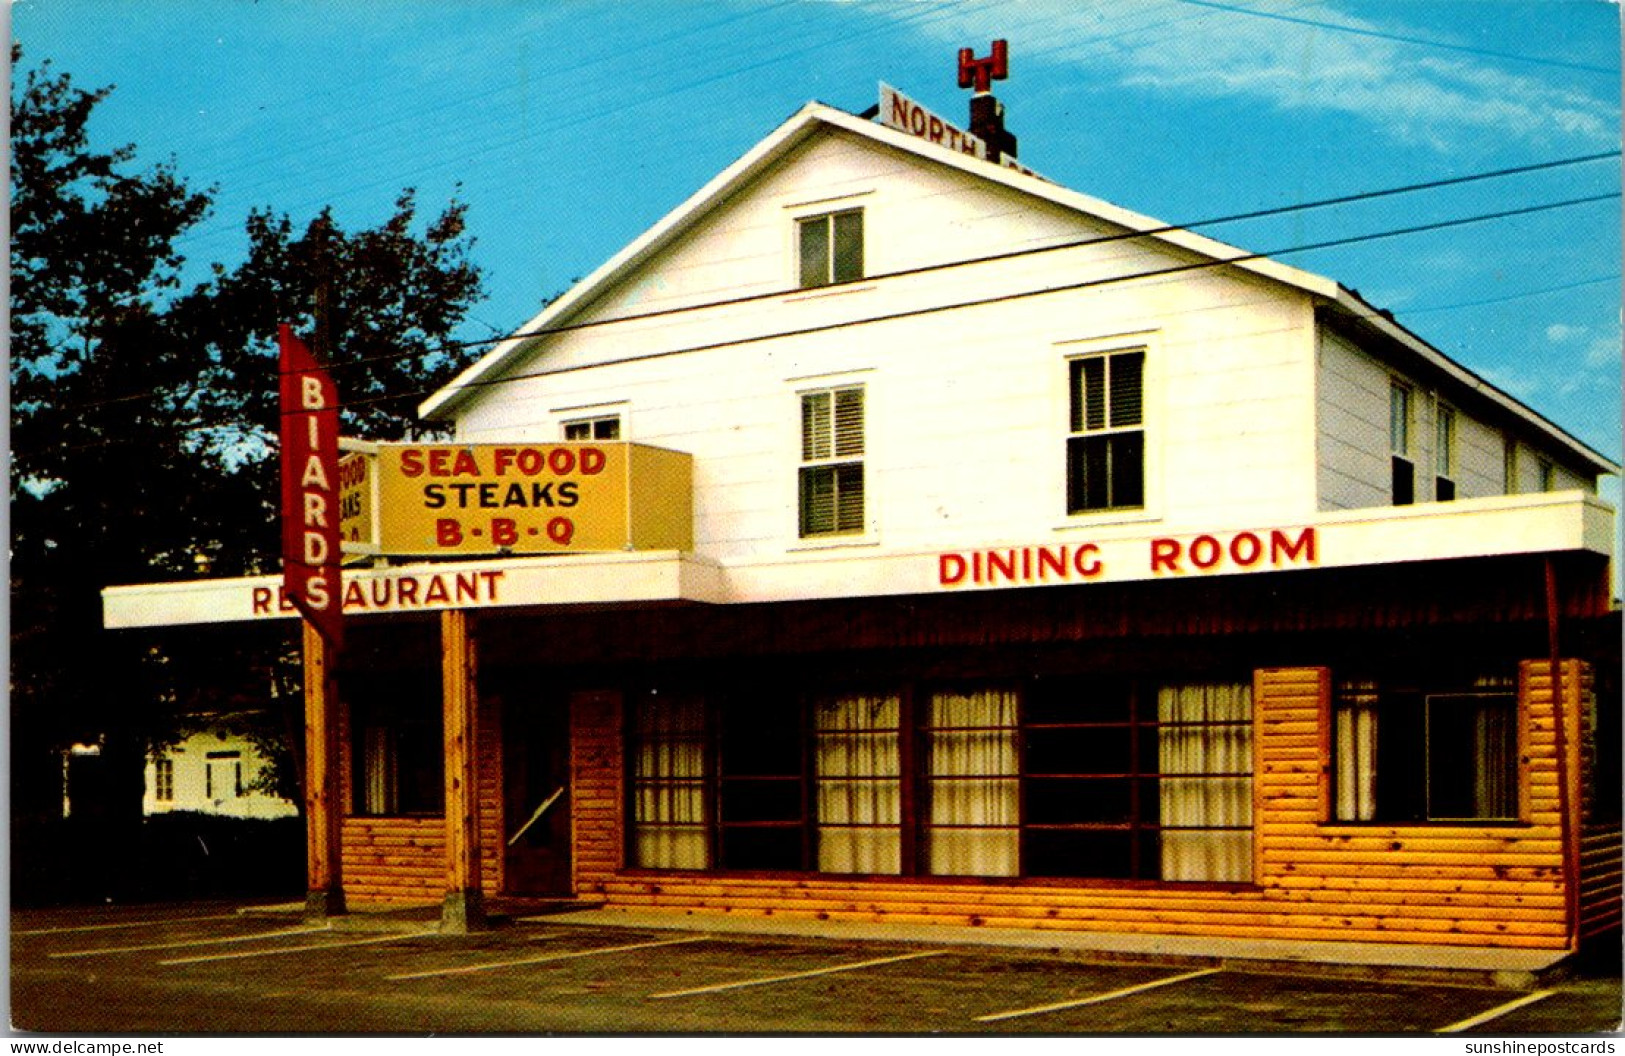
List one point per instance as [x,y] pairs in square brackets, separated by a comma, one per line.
[536,758]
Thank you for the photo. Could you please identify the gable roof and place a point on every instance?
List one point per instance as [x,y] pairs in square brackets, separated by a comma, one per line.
[815,117]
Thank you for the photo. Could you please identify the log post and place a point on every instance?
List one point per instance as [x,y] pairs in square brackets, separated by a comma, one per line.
[324,887]
[463,909]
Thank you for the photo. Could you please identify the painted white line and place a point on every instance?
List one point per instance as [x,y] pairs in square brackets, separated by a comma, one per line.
[1495,1013]
[241,954]
[126,924]
[192,942]
[465,969]
[1110,995]
[799,975]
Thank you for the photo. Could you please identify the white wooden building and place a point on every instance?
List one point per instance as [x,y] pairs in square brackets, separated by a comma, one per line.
[1050,568]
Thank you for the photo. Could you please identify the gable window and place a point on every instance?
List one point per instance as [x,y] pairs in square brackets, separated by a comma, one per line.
[831,474]
[603,427]
[1444,454]
[831,248]
[1399,444]
[1409,750]
[1105,451]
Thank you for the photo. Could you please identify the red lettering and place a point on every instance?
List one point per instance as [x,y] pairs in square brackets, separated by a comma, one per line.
[406,591]
[935,133]
[1254,549]
[353,598]
[561,460]
[466,465]
[491,579]
[561,530]
[447,532]
[1052,560]
[1304,546]
[468,587]
[950,569]
[382,602]
[262,601]
[531,461]
[899,110]
[439,460]
[916,121]
[1089,567]
[411,462]
[1005,565]
[1205,551]
[1165,555]
[501,458]
[437,593]
[592,461]
[504,530]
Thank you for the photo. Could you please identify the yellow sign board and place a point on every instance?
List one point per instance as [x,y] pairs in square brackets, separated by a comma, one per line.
[469,499]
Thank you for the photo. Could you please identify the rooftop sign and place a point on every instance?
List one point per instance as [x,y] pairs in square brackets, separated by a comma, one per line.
[899,112]
[514,498]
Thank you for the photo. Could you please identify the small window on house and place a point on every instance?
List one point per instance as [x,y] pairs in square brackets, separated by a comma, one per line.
[229,776]
[1405,750]
[163,780]
[831,248]
[831,474]
[1509,466]
[1399,444]
[1444,454]
[1548,475]
[604,427]
[1105,451]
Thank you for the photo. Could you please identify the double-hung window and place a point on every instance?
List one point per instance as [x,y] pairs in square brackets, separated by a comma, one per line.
[1399,444]
[831,474]
[1444,453]
[164,780]
[831,248]
[1105,448]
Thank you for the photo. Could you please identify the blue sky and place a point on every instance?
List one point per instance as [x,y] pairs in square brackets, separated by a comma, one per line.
[570,127]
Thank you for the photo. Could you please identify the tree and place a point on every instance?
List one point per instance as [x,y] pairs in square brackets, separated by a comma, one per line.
[144,414]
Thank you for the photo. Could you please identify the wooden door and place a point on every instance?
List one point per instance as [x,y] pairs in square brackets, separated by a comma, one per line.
[536,789]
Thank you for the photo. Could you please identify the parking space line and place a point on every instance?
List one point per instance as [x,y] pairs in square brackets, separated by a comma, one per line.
[241,954]
[192,942]
[798,975]
[1110,995]
[126,924]
[1496,1013]
[464,969]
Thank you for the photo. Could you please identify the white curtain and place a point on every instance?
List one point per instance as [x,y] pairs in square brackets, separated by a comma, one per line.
[1205,756]
[1354,743]
[668,784]
[1495,749]
[380,772]
[973,785]
[859,795]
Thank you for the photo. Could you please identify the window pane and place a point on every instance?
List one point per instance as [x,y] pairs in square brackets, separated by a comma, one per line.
[848,422]
[1472,755]
[577,430]
[848,246]
[1444,441]
[1085,473]
[606,429]
[817,500]
[1399,419]
[1128,469]
[1126,371]
[1051,852]
[814,236]
[974,792]
[815,425]
[859,808]
[849,497]
[1093,393]
[1404,481]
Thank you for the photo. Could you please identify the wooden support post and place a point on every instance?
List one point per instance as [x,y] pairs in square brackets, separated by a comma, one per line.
[463,909]
[1568,801]
[324,887]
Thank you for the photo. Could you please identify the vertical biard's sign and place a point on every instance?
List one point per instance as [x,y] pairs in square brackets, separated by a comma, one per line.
[309,437]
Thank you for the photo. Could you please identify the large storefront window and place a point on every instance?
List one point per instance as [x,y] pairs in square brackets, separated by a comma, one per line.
[397,749]
[1405,749]
[1075,777]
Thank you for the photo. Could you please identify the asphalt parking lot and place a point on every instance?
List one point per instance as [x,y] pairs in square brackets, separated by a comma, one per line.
[210,969]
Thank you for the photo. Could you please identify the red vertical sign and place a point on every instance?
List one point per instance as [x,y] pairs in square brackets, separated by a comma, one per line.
[310,488]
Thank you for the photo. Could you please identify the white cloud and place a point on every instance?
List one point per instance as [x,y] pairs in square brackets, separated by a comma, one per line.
[1603,352]
[1412,96]
[1558,333]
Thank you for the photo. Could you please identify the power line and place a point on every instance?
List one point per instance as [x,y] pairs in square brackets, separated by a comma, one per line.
[1402,39]
[929,268]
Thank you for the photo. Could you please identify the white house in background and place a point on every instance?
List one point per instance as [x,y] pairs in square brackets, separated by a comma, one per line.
[211,771]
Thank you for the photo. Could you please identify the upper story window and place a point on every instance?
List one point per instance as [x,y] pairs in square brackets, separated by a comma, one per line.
[1444,454]
[1399,444]
[1548,475]
[831,474]
[602,427]
[1105,448]
[831,248]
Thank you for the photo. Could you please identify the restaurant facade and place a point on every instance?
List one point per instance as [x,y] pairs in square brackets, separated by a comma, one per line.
[891,535]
